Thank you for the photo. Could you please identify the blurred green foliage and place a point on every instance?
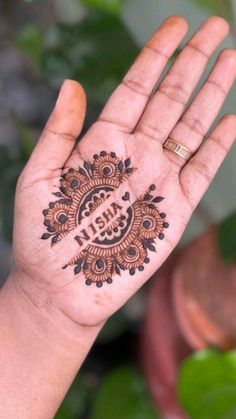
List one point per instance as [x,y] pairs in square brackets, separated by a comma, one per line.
[75,402]
[30,40]
[123,394]
[218,7]
[100,58]
[227,239]
[11,165]
[112,6]
[97,51]
[207,385]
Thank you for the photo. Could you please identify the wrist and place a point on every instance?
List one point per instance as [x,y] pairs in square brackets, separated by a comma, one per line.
[41,352]
[35,305]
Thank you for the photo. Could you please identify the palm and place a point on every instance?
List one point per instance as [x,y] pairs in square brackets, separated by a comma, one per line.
[109,226]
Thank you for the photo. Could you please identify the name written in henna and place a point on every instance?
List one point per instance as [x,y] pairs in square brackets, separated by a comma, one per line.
[115,240]
[99,224]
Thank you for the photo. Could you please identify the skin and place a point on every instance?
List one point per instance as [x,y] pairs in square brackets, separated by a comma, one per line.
[63,314]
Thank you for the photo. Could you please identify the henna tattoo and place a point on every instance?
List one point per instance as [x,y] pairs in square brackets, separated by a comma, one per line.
[121,237]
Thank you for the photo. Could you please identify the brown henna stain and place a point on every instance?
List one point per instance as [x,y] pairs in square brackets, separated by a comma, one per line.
[120,238]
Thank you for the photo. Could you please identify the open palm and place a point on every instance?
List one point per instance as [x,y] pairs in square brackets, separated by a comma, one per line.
[95,221]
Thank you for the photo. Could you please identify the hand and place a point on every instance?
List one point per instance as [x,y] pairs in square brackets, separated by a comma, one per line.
[94,222]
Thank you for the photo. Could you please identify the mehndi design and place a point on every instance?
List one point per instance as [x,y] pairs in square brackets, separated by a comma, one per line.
[119,238]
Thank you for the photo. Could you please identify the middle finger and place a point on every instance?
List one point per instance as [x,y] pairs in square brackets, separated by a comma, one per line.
[174,92]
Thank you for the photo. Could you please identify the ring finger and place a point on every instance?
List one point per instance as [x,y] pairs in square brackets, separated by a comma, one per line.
[169,102]
[195,123]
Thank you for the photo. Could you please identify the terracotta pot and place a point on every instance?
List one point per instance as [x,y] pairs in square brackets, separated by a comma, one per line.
[204,292]
[162,345]
[191,305]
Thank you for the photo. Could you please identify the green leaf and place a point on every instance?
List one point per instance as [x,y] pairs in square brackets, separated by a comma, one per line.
[207,385]
[123,394]
[226,238]
[218,7]
[30,39]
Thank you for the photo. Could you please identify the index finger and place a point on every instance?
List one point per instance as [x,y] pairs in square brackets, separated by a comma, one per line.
[128,101]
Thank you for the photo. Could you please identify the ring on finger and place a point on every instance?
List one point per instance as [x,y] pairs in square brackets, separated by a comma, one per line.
[177,148]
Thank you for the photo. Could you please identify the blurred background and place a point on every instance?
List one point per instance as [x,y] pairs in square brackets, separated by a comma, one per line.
[93,41]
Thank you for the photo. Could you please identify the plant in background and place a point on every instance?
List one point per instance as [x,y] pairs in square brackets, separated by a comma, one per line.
[11,165]
[97,52]
[207,385]
[123,394]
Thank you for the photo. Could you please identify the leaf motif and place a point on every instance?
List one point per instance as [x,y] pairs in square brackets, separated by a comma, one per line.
[58,194]
[82,172]
[45,236]
[147,197]
[127,162]
[151,247]
[129,170]
[144,243]
[152,206]
[120,166]
[117,269]
[87,165]
[158,199]
[77,269]
[63,189]
[54,239]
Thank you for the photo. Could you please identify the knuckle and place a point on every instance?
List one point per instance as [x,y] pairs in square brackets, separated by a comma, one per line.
[194,123]
[149,47]
[152,132]
[195,46]
[173,87]
[217,142]
[202,169]
[216,85]
[136,86]
[57,134]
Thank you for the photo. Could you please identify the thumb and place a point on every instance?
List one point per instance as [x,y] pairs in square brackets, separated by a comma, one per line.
[59,135]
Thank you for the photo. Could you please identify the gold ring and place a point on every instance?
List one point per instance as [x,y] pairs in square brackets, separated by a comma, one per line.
[177,148]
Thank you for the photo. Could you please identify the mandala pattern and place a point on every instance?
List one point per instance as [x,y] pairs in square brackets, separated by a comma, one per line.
[120,238]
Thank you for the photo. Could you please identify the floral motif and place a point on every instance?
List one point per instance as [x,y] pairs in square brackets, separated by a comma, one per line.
[71,182]
[152,223]
[97,270]
[133,256]
[56,220]
[106,165]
